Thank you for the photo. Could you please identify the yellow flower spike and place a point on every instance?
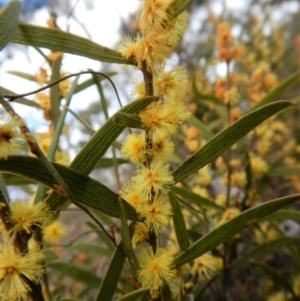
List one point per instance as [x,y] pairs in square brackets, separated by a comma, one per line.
[164,117]
[155,268]
[153,49]
[24,215]
[153,13]
[134,148]
[157,178]
[157,214]
[11,139]
[13,265]
[153,118]
[53,232]
[204,266]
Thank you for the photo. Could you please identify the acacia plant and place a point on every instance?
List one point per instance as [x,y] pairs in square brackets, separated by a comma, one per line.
[175,230]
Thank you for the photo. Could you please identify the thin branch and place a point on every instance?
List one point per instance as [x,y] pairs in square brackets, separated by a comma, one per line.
[12,97]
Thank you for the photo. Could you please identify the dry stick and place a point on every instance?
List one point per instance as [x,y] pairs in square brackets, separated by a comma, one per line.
[61,187]
[148,79]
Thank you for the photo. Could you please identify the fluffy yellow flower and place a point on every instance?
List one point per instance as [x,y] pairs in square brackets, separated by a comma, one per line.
[204,266]
[140,233]
[157,214]
[153,48]
[134,148]
[11,140]
[153,14]
[164,117]
[258,165]
[203,176]
[162,147]
[155,268]
[128,47]
[156,178]
[132,196]
[172,83]
[138,89]
[154,119]
[24,215]
[53,232]
[13,266]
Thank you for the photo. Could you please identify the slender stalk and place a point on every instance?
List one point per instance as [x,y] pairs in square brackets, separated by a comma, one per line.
[228,192]
[149,91]
[12,97]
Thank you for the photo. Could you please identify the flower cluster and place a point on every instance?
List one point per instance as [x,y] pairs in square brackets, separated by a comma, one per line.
[149,148]
[11,139]
[21,265]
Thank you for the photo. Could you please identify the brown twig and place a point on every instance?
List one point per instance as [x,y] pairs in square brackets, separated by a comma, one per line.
[12,97]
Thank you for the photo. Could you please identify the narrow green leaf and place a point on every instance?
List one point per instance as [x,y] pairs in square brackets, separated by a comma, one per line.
[71,299]
[227,230]
[204,130]
[89,248]
[278,276]
[78,274]
[103,100]
[201,290]
[112,274]
[276,91]
[21,100]
[179,6]
[109,162]
[179,223]
[23,75]
[265,248]
[282,215]
[59,124]
[128,120]
[16,180]
[283,171]
[9,16]
[96,147]
[54,91]
[195,198]
[86,190]
[135,295]
[226,138]
[203,96]
[63,41]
